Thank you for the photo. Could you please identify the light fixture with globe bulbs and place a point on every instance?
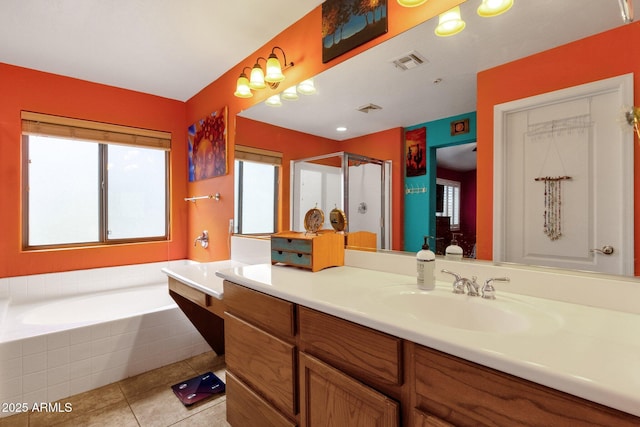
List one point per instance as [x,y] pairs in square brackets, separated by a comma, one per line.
[260,79]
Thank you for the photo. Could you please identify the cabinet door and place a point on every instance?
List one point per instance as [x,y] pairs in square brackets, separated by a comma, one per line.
[330,397]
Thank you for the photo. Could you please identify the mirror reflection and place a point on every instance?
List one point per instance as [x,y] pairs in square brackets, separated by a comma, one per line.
[369,93]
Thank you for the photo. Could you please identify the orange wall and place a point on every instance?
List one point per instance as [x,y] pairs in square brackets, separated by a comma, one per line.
[24,89]
[598,57]
[303,47]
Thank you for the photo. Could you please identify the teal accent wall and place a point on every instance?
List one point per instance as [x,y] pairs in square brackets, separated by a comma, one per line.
[419,208]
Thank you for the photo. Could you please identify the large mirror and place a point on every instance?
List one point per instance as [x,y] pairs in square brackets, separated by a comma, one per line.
[417,77]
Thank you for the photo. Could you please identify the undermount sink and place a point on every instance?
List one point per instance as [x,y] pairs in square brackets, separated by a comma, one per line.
[502,315]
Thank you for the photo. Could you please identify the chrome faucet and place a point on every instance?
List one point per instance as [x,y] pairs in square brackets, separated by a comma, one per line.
[203,239]
[473,289]
[488,291]
[462,284]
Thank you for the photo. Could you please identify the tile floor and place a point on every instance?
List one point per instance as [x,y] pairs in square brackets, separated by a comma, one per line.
[143,400]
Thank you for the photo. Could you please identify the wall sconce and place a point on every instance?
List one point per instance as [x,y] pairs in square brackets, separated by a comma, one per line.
[411,3]
[274,101]
[307,87]
[450,23]
[242,86]
[256,81]
[259,79]
[490,8]
[290,94]
[632,115]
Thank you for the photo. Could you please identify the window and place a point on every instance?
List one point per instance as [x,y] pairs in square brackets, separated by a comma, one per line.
[256,190]
[450,201]
[92,183]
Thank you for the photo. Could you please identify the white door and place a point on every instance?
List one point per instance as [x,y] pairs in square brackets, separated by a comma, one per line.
[563,179]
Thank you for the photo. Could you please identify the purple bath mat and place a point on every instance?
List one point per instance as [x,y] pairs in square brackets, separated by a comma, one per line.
[198,388]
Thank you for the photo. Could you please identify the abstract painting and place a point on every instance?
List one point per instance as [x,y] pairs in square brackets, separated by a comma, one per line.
[208,146]
[349,23]
[415,142]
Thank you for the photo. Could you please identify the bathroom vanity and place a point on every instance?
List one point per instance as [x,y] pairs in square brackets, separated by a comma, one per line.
[360,347]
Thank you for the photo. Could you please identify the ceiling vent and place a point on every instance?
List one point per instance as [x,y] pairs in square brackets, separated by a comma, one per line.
[369,107]
[410,60]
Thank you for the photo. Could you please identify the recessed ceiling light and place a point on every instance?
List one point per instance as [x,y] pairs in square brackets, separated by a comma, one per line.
[341,129]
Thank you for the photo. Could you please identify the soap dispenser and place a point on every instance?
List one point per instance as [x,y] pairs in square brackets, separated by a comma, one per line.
[426,260]
[453,252]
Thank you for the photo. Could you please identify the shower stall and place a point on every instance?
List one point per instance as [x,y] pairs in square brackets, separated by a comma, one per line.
[358,185]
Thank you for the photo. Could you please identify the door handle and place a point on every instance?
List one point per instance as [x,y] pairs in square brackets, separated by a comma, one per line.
[606,250]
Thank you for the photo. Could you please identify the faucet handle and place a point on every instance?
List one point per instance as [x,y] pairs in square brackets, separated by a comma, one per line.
[458,282]
[488,291]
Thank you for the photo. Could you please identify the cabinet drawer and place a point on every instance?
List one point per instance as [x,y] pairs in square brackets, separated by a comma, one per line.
[272,314]
[291,245]
[291,258]
[245,408]
[466,394]
[188,292]
[369,355]
[264,362]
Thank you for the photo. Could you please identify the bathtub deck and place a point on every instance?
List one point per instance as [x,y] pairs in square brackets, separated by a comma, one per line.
[50,316]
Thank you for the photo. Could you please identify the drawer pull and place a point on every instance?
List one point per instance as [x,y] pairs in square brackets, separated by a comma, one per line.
[299,255]
[289,240]
[279,252]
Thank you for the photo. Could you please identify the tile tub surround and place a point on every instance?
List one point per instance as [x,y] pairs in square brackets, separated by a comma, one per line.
[52,361]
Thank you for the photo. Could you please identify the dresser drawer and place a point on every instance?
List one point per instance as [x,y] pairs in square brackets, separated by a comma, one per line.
[371,356]
[264,362]
[291,258]
[291,245]
[270,313]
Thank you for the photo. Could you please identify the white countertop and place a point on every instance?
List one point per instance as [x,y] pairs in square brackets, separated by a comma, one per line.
[201,276]
[589,352]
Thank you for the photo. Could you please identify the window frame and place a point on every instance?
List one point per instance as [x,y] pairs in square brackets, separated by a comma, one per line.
[104,134]
[256,155]
[454,226]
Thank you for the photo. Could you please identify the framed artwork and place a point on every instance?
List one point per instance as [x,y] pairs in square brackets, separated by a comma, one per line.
[415,150]
[208,146]
[349,23]
[459,127]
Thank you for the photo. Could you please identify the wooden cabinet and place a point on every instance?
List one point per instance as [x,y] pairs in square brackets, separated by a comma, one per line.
[261,357]
[452,390]
[366,354]
[330,397]
[205,312]
[262,361]
[288,364]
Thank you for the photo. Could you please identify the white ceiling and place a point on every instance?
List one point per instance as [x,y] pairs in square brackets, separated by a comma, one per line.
[170,48]
[410,97]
